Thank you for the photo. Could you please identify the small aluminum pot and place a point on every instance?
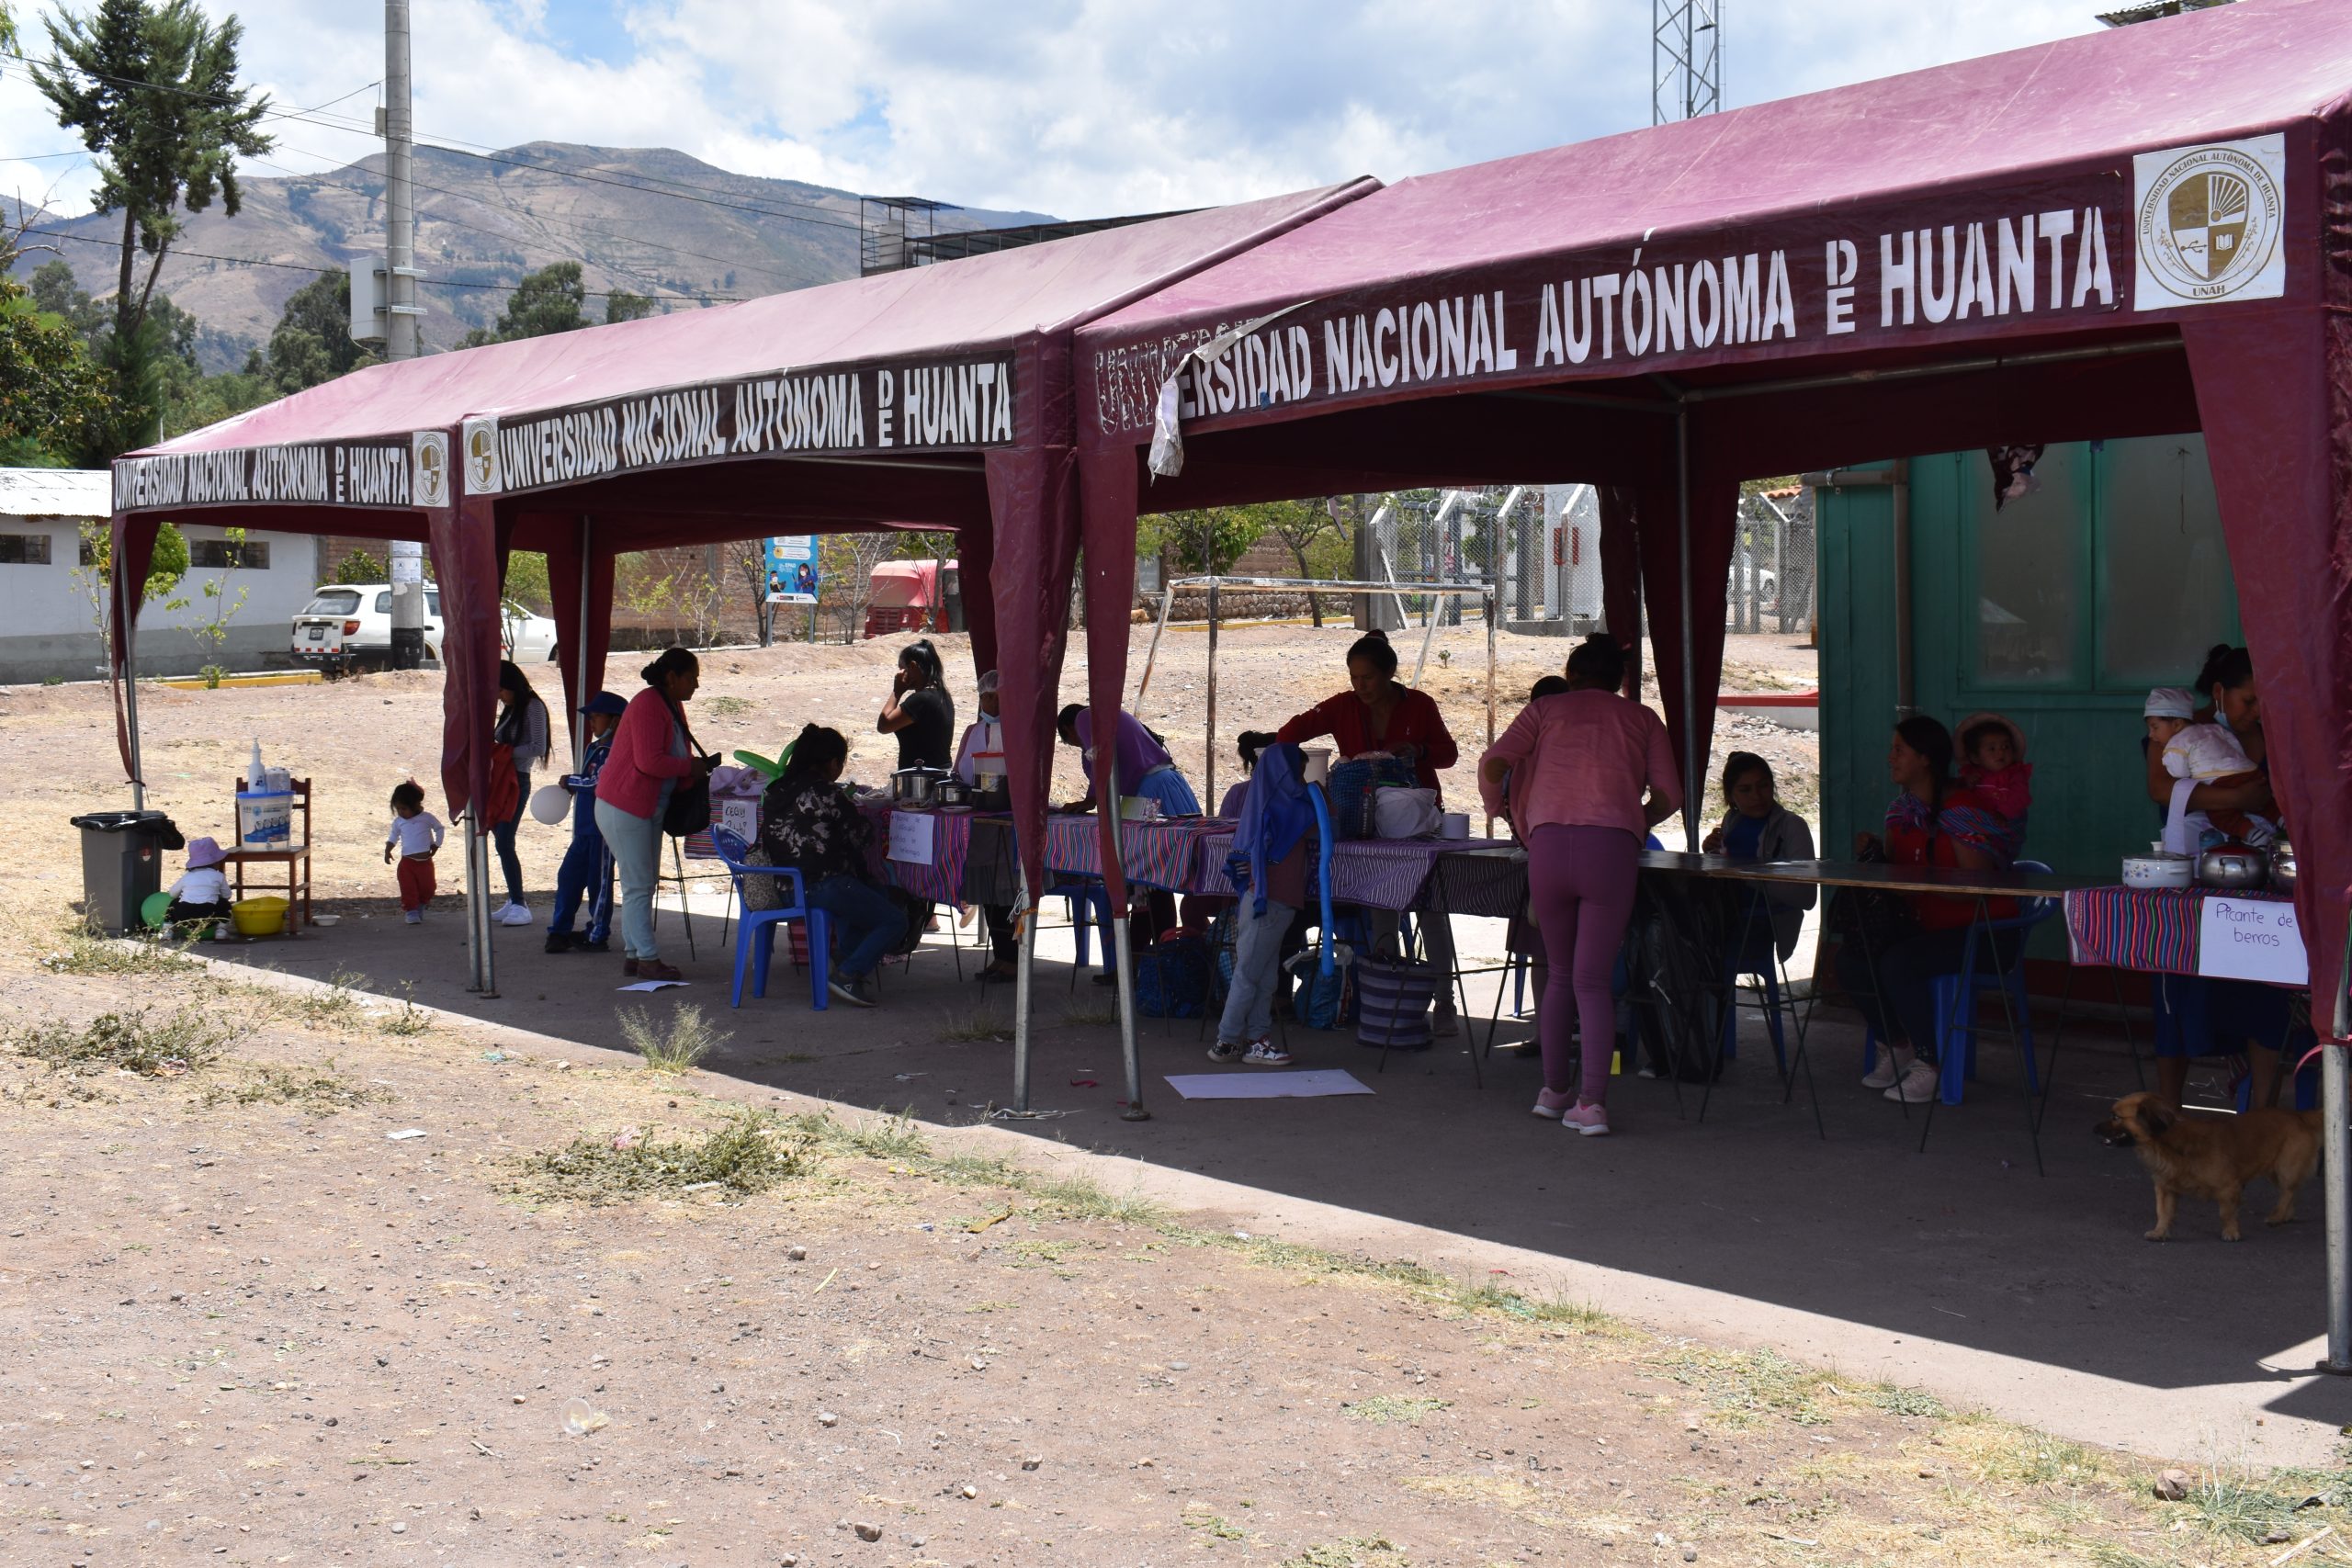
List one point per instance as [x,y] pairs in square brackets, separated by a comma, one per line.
[913,787]
[2282,867]
[2233,868]
[951,791]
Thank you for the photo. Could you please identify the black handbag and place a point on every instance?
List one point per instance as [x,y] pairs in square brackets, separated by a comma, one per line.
[689,809]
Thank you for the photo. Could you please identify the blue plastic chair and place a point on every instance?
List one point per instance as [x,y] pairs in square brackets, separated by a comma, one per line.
[755,936]
[1758,915]
[1956,997]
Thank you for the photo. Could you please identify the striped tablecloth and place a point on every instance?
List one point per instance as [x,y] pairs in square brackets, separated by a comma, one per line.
[941,881]
[1168,852]
[1469,876]
[2148,928]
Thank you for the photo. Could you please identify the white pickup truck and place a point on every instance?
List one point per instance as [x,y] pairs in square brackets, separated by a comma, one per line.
[348,625]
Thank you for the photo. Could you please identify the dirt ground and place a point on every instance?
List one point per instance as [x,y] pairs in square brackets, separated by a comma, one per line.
[296,1274]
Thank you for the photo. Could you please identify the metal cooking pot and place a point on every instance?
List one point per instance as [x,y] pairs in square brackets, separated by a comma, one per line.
[2282,866]
[2233,867]
[951,791]
[914,786]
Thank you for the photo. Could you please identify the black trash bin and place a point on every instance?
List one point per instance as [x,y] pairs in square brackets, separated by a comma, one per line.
[123,864]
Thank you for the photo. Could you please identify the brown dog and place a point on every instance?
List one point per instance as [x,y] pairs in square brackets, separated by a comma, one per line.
[2215,1157]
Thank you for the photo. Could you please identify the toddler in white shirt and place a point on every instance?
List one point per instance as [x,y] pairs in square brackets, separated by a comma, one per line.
[203,893]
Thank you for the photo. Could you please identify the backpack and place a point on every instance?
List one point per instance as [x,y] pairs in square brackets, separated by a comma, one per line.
[1172,979]
[1324,1001]
[1350,790]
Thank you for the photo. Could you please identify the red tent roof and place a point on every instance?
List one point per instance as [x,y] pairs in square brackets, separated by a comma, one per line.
[2210,75]
[923,313]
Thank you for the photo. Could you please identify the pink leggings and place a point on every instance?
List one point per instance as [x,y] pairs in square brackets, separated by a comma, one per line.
[1580,881]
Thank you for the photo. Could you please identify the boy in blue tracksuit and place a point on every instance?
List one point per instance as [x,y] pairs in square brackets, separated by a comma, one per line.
[587,865]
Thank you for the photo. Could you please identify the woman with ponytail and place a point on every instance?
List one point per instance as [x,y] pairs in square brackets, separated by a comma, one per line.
[808,823]
[649,760]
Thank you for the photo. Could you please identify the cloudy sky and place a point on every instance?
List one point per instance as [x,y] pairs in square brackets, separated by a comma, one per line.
[1077,108]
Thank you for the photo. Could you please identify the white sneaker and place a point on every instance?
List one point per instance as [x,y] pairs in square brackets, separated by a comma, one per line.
[1884,1074]
[1266,1054]
[1916,1086]
[514,915]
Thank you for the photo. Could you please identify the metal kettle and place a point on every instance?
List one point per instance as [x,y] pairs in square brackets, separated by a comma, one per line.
[2282,864]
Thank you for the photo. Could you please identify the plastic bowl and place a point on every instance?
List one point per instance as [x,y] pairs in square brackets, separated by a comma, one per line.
[259,917]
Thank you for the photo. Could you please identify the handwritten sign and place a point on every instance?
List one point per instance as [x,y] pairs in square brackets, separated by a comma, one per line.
[911,843]
[2251,939]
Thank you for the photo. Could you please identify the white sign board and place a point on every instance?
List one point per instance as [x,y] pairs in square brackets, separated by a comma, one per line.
[2251,939]
[910,839]
[407,561]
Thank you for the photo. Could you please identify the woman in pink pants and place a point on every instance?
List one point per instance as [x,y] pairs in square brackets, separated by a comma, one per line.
[1590,773]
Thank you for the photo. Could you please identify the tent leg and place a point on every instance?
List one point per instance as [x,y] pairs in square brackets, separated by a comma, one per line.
[1211,753]
[130,722]
[1151,655]
[1123,943]
[1692,789]
[1025,974]
[580,694]
[2336,1124]
[473,914]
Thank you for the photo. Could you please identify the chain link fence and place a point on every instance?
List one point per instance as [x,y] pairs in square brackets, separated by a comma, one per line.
[1770,586]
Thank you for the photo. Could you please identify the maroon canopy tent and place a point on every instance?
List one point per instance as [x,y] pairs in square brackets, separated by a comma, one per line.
[938,397]
[2133,232]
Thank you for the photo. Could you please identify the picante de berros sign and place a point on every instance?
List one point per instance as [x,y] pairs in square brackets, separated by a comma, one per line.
[909,408]
[397,471]
[2188,226]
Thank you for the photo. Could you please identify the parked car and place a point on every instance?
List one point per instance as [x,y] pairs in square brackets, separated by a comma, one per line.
[348,625]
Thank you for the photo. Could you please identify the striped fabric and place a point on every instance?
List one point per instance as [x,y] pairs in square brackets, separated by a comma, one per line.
[1168,854]
[1396,874]
[2149,929]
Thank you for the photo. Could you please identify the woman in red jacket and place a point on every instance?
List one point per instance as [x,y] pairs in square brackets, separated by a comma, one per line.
[1376,715]
[649,760]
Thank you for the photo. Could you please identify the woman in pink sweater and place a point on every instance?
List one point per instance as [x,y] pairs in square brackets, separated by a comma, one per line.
[1590,773]
[649,760]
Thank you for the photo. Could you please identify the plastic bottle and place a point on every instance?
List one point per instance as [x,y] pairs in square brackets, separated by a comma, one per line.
[257,776]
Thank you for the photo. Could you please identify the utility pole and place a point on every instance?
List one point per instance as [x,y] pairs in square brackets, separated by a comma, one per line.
[400,311]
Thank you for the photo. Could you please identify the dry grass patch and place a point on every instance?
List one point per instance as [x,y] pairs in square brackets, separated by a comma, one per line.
[749,1155]
[315,1092]
[674,1045]
[135,1041]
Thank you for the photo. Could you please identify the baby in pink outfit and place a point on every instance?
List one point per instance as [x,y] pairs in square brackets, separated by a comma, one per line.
[1994,765]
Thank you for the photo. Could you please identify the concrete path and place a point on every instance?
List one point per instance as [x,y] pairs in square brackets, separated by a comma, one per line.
[1958,1270]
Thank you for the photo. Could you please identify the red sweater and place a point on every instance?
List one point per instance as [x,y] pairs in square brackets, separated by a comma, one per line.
[1416,722]
[647,749]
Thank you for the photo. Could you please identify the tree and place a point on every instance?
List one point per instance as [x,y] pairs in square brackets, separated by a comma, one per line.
[527,581]
[55,404]
[620,305]
[151,85]
[1207,540]
[211,630]
[93,576]
[312,343]
[1302,526]
[548,301]
[359,567]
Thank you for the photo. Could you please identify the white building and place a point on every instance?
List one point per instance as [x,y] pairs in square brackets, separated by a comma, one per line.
[49,626]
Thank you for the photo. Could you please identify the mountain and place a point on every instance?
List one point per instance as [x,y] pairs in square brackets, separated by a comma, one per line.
[651,220]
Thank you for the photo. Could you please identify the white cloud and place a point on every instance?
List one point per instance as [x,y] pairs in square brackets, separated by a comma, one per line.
[1072,106]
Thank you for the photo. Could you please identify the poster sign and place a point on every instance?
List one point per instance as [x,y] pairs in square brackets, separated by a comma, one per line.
[2207,223]
[2251,939]
[792,569]
[910,839]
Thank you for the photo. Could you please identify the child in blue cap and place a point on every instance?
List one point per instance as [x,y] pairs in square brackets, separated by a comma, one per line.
[587,864]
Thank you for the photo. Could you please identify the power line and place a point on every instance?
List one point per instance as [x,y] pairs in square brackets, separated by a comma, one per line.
[518,212]
[353,127]
[327,271]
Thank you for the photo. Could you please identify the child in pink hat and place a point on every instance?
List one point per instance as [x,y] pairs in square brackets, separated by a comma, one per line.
[203,893]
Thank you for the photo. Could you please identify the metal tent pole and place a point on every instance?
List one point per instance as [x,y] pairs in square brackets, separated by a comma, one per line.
[1212,694]
[1121,941]
[579,691]
[1490,684]
[1690,757]
[2336,1131]
[124,629]
[1024,973]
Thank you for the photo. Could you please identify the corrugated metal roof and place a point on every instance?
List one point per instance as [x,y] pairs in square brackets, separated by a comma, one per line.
[56,492]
